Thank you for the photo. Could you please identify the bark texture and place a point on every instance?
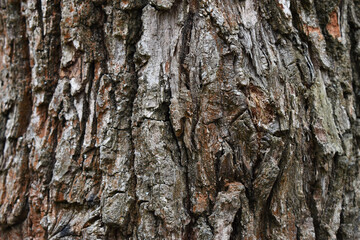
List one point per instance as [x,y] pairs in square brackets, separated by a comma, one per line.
[180,119]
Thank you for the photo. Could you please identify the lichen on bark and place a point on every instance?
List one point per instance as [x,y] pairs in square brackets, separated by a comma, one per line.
[179,119]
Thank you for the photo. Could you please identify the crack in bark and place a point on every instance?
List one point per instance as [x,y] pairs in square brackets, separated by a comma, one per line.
[132,40]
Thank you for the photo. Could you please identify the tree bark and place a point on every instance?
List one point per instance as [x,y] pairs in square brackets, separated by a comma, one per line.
[180,119]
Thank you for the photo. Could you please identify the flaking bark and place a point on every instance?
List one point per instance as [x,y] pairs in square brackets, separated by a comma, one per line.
[179,119]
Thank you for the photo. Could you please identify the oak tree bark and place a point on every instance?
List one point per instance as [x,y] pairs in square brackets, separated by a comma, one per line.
[179,119]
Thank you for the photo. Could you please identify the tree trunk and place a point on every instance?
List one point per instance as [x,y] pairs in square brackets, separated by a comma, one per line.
[175,119]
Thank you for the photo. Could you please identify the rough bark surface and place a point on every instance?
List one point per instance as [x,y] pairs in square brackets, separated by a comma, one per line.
[175,119]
